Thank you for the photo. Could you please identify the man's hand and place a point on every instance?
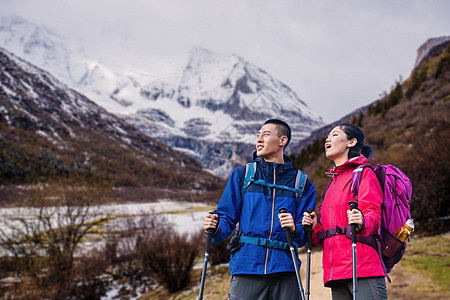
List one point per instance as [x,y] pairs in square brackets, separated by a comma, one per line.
[210,221]
[287,221]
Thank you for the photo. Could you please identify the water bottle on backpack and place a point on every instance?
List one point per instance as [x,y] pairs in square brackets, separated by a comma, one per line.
[404,231]
[401,234]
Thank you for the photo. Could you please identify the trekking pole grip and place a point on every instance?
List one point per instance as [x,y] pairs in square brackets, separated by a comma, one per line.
[353,205]
[211,231]
[287,230]
[309,230]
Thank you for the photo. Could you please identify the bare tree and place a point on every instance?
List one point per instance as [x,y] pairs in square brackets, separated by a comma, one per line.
[43,238]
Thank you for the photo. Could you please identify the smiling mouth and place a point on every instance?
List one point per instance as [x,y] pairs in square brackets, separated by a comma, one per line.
[258,148]
[327,146]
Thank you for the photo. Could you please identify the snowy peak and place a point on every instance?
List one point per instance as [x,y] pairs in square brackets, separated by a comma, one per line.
[226,84]
[216,80]
[38,44]
[195,102]
[217,105]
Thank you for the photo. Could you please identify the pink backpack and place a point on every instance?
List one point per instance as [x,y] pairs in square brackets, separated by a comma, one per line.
[395,211]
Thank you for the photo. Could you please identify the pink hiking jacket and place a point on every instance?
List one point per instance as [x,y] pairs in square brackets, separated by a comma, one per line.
[337,250]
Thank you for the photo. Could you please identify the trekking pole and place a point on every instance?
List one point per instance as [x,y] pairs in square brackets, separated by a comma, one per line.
[293,254]
[308,259]
[354,205]
[209,234]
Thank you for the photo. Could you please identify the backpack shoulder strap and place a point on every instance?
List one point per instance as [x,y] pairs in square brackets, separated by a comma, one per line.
[299,188]
[250,170]
[356,179]
[300,184]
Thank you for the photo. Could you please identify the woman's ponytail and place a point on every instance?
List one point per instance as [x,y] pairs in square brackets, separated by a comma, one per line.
[367,151]
[354,132]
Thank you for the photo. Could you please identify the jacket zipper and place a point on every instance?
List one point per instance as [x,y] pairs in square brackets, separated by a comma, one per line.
[329,239]
[271,224]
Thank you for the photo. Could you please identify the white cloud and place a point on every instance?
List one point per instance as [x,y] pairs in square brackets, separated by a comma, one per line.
[336,55]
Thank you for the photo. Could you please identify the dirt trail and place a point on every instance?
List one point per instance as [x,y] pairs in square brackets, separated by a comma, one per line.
[318,291]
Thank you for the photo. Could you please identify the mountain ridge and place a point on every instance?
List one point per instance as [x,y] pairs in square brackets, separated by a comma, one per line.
[202,98]
[432,47]
[49,130]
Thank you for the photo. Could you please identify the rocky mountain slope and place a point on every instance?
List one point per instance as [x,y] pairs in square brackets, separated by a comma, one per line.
[409,127]
[50,132]
[431,48]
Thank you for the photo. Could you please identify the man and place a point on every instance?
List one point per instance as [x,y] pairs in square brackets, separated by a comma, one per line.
[261,264]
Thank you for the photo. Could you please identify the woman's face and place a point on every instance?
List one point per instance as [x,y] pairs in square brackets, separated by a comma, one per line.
[337,146]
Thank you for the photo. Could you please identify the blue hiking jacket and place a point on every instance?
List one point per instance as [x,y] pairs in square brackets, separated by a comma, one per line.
[257,215]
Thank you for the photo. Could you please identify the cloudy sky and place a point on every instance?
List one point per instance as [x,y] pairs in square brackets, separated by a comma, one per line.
[336,55]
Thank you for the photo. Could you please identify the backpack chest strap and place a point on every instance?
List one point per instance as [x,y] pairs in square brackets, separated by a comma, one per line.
[335,231]
[273,244]
[298,189]
[346,230]
[271,185]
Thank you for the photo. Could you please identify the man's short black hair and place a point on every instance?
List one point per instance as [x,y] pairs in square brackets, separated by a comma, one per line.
[284,129]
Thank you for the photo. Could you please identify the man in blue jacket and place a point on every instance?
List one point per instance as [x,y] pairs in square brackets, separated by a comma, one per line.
[261,264]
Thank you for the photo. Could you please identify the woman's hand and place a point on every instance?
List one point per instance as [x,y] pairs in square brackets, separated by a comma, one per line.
[287,221]
[309,219]
[355,217]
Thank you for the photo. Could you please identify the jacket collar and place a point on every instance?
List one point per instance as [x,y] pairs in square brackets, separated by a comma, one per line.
[286,166]
[350,164]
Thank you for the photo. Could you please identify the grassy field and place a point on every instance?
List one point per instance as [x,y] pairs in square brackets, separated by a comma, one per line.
[424,272]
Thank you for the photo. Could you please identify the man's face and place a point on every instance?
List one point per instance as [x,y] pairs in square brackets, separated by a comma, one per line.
[268,143]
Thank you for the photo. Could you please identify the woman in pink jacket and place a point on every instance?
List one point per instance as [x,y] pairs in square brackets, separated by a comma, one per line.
[345,147]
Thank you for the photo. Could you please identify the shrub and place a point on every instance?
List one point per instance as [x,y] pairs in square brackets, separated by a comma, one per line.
[148,249]
[43,240]
[308,154]
[418,77]
[169,256]
[90,281]
[444,64]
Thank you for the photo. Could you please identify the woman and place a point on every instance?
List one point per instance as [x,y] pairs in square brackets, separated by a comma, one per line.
[345,147]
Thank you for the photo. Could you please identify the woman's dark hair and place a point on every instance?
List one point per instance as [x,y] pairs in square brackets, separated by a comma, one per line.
[354,132]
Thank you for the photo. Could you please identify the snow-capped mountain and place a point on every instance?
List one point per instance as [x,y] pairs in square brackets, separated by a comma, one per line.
[48,129]
[207,104]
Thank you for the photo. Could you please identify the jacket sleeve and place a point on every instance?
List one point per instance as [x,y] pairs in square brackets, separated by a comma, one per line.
[308,201]
[229,208]
[370,198]
[315,238]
